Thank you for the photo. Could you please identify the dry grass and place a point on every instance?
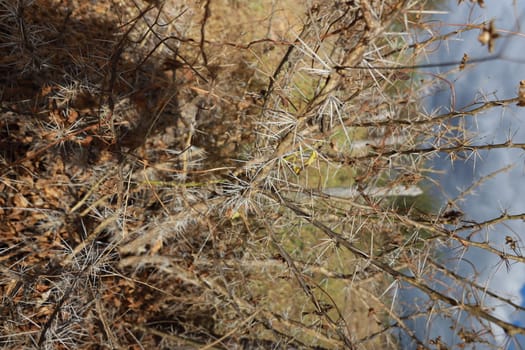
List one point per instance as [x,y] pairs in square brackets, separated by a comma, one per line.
[116,229]
[162,167]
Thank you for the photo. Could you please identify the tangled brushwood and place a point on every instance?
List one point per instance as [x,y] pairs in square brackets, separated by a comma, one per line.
[223,174]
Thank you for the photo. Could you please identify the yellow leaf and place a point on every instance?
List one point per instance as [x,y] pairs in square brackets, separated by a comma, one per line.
[311,159]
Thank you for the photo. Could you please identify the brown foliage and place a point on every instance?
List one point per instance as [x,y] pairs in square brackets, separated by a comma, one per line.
[162,169]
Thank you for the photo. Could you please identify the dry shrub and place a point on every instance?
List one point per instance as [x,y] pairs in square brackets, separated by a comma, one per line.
[167,167]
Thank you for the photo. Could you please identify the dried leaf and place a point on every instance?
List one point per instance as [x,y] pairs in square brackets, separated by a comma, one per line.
[521,94]
[46,90]
[72,116]
[488,36]
[463,61]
